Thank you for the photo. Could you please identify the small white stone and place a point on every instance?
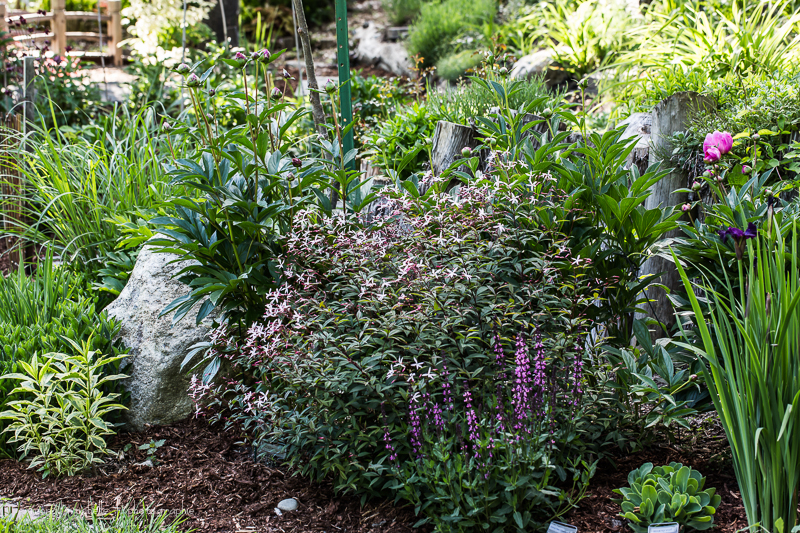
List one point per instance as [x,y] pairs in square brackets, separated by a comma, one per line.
[287,505]
[278,512]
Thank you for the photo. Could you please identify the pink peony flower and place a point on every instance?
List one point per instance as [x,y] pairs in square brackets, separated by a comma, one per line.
[716,145]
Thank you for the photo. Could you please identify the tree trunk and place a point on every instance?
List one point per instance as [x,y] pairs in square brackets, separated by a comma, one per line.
[669,116]
[316,104]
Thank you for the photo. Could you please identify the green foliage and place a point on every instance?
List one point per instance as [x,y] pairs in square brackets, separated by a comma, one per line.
[751,40]
[434,304]
[57,410]
[750,344]
[37,314]
[403,143]
[402,11]
[471,100]
[585,35]
[384,354]
[649,389]
[70,98]
[243,192]
[441,22]
[62,520]
[672,493]
[761,103]
[453,66]
[151,448]
[376,101]
[604,209]
[79,182]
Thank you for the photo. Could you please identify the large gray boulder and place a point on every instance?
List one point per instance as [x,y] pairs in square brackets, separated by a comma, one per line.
[540,63]
[373,49]
[157,385]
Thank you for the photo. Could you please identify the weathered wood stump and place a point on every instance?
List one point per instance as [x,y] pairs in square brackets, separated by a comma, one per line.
[638,124]
[448,141]
[669,116]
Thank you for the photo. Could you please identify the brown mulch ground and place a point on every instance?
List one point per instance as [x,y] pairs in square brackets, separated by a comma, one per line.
[203,471]
[705,450]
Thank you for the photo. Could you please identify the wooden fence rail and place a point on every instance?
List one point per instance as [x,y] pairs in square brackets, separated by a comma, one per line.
[58,18]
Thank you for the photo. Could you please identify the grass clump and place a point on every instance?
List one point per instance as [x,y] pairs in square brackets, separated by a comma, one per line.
[402,11]
[62,520]
[440,23]
[470,100]
[453,66]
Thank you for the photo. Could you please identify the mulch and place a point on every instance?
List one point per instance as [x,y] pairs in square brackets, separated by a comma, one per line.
[705,449]
[205,472]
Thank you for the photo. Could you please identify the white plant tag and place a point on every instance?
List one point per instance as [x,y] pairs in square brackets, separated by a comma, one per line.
[561,527]
[666,527]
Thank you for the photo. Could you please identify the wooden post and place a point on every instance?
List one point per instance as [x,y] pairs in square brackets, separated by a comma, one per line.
[59,26]
[114,8]
[3,22]
[669,116]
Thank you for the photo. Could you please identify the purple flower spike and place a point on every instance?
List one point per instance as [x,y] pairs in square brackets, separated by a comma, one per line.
[522,382]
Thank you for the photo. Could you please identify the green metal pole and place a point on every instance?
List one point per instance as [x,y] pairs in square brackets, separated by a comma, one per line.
[343,64]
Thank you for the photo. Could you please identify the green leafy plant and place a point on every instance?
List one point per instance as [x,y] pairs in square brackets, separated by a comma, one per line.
[470,100]
[656,383]
[672,493]
[57,410]
[753,38]
[402,11]
[750,344]
[249,194]
[462,310]
[77,182]
[402,144]
[39,311]
[584,35]
[151,448]
[71,98]
[441,22]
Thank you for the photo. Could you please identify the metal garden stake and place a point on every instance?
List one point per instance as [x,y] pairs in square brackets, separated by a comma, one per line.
[343,64]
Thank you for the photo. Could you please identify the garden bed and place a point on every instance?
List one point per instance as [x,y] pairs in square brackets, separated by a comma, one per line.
[706,451]
[220,488]
[215,481]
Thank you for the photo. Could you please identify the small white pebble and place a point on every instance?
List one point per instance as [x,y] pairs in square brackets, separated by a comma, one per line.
[289,504]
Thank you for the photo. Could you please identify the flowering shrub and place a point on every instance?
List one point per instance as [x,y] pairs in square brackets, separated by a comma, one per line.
[437,345]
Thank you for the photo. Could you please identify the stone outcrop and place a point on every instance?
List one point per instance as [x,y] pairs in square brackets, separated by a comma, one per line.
[157,347]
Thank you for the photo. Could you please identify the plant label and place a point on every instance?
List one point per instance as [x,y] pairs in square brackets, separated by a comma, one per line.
[561,527]
[665,527]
